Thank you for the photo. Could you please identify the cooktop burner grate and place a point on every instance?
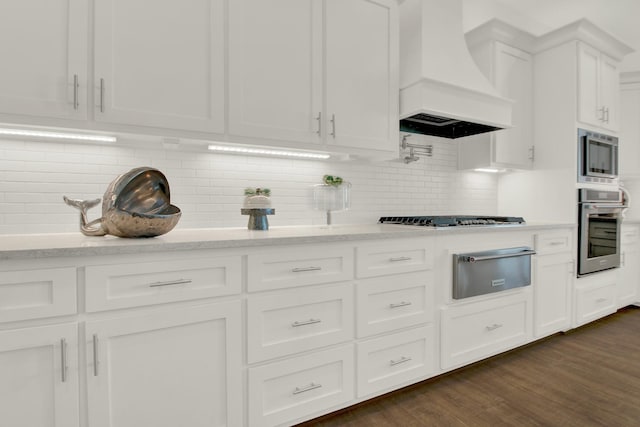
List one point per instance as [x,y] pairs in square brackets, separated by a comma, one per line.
[452,220]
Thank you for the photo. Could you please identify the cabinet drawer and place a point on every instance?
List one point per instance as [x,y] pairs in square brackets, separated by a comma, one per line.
[394,360]
[595,301]
[299,266]
[128,285]
[285,323]
[474,331]
[392,302]
[299,387]
[551,243]
[34,294]
[380,258]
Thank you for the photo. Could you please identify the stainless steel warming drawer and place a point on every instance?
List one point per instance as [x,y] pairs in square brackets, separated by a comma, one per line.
[485,272]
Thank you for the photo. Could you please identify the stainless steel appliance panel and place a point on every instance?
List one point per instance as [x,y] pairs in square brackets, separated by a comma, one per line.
[485,272]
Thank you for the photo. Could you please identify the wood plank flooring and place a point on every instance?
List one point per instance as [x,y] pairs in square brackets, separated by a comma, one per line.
[587,377]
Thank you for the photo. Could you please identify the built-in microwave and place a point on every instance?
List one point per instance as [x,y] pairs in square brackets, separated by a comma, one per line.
[597,158]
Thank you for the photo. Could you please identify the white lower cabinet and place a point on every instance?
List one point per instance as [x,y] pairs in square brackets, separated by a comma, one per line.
[166,368]
[475,330]
[290,389]
[388,362]
[629,271]
[595,296]
[39,376]
[290,322]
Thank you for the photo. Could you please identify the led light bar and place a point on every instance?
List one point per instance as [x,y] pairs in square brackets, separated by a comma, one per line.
[57,135]
[266,152]
[489,170]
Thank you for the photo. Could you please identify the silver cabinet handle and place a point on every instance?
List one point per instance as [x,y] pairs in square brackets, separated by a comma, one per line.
[170,283]
[488,257]
[305,322]
[333,125]
[400,304]
[102,95]
[400,258]
[310,387]
[319,119]
[75,91]
[95,355]
[399,361]
[494,327]
[301,269]
[63,358]
[601,110]
[556,243]
[599,300]
[606,111]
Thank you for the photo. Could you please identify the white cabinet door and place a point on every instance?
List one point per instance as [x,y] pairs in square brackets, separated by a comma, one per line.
[629,142]
[43,46]
[598,88]
[514,80]
[629,271]
[39,376]
[167,368]
[160,63]
[361,74]
[275,69]
[552,293]
[321,73]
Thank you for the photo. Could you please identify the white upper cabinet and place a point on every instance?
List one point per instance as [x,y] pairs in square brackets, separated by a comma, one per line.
[43,46]
[160,63]
[510,70]
[630,125]
[314,72]
[598,88]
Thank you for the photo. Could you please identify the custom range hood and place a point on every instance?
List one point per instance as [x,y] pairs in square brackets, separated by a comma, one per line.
[442,92]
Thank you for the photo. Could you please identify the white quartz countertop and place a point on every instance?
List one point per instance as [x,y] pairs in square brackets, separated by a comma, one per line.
[76,244]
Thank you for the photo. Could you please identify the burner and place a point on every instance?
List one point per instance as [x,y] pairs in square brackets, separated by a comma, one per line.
[452,220]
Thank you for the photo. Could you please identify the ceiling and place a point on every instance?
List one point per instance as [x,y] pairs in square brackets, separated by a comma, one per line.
[617,17]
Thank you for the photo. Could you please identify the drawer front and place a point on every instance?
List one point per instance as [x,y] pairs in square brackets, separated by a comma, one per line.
[552,243]
[399,359]
[299,266]
[594,302]
[280,324]
[34,294]
[299,387]
[392,302]
[128,285]
[630,235]
[382,257]
[482,329]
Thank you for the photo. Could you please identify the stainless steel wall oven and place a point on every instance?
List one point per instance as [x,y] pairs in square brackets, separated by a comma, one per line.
[600,216]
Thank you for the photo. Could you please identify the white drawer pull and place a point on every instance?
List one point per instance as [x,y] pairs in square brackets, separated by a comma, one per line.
[494,327]
[305,322]
[599,300]
[399,361]
[300,269]
[170,283]
[310,387]
[400,304]
[400,258]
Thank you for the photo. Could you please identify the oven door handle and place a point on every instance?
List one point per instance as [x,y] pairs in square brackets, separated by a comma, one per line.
[605,208]
[497,256]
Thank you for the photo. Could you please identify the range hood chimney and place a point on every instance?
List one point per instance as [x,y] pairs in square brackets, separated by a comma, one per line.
[442,91]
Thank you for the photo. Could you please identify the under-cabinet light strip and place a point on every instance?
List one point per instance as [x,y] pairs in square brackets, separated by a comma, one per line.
[260,151]
[57,135]
[489,170]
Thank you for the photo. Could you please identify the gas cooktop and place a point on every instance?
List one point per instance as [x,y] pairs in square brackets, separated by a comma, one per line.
[452,220]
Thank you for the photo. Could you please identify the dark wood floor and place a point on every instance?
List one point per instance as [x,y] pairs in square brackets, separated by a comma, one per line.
[587,377]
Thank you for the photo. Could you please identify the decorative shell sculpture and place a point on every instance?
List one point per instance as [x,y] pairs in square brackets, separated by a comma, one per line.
[136,204]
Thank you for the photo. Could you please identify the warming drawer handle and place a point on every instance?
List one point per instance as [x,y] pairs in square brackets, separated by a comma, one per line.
[498,256]
[170,283]
[310,387]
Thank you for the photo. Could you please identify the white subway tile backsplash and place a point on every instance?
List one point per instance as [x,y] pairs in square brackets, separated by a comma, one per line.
[209,187]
